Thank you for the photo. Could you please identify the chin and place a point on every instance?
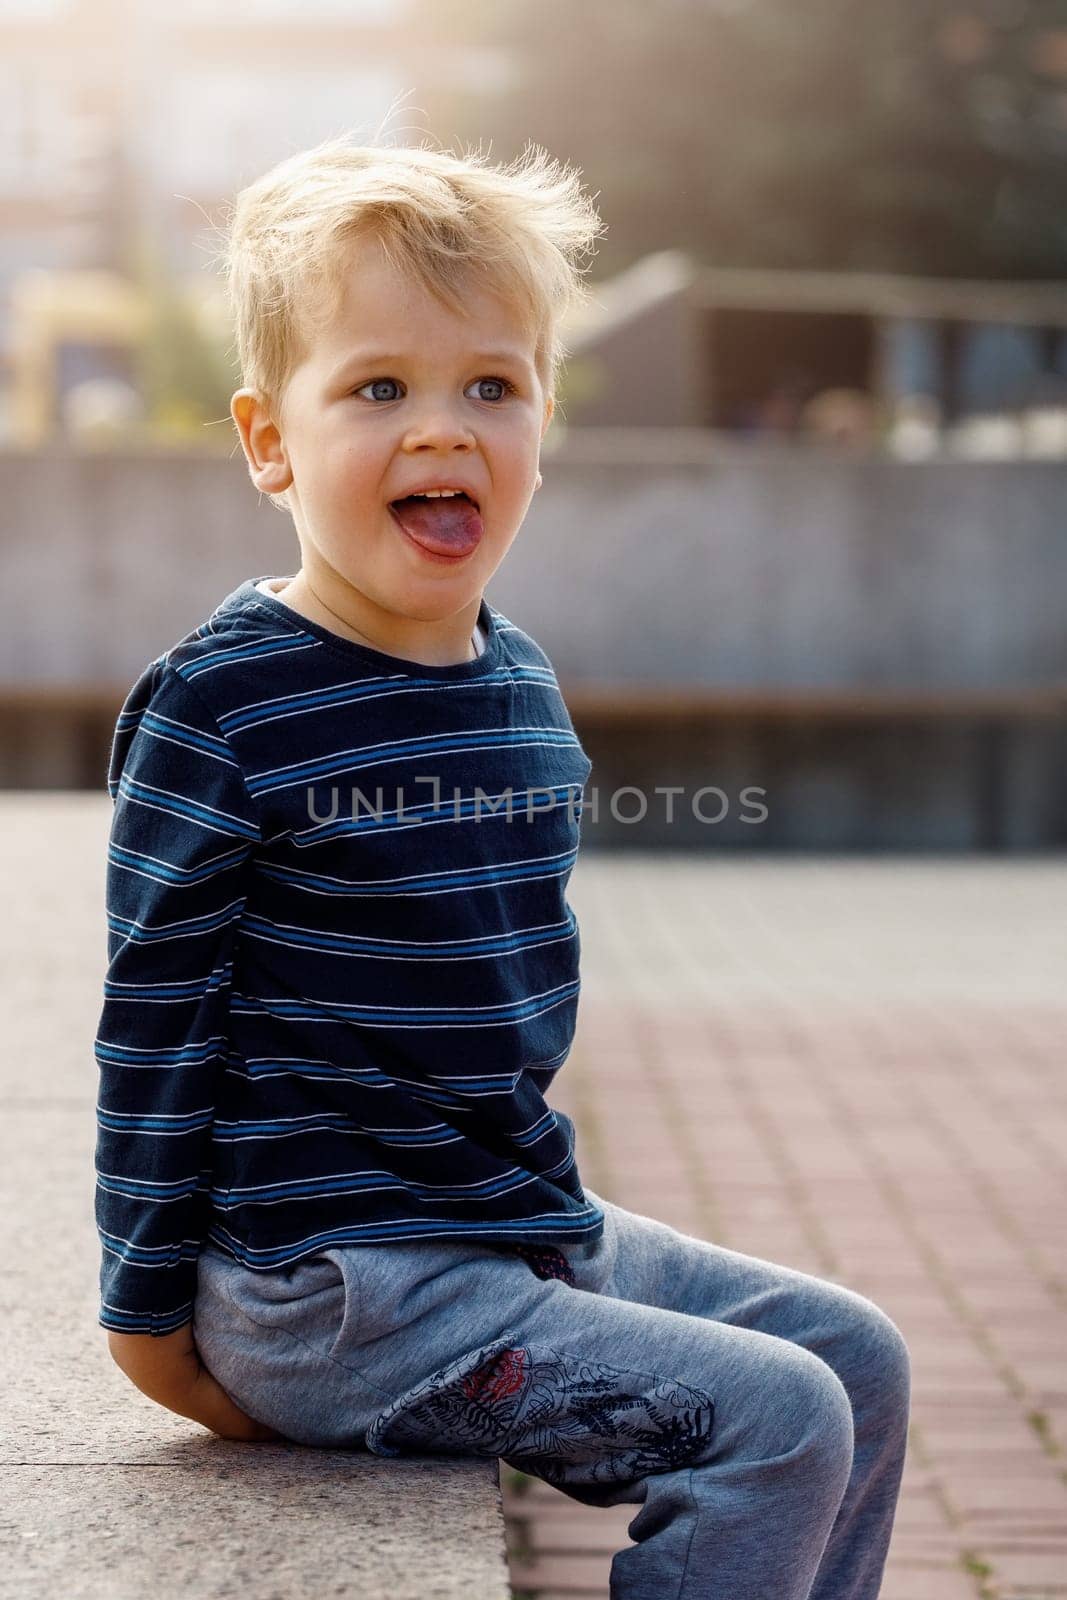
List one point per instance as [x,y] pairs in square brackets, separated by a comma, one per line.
[436,607]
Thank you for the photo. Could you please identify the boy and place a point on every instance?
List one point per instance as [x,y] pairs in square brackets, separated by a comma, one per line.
[333,1203]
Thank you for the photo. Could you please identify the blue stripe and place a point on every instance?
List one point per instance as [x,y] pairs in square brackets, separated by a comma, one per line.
[186,808]
[233,656]
[445,880]
[409,1017]
[388,1231]
[349,945]
[119,1122]
[495,807]
[137,1055]
[348,693]
[182,736]
[281,1128]
[410,750]
[227,1199]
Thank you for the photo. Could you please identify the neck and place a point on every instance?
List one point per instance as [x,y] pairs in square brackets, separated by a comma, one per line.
[439,645]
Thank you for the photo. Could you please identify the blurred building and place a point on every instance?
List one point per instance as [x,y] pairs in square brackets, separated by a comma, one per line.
[126,125]
[854,358]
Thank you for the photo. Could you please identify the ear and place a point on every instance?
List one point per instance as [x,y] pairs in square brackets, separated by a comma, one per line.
[268,462]
[550,406]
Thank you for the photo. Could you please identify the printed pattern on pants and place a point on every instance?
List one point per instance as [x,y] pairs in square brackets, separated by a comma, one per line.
[561,1417]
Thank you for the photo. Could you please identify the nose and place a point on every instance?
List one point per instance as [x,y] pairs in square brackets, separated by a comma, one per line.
[439,426]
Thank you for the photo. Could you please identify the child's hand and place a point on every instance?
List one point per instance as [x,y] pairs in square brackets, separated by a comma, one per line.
[170,1372]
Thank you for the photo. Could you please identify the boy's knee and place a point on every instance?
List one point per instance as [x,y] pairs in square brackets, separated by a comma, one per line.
[895,1357]
[820,1411]
[805,1428]
[878,1369]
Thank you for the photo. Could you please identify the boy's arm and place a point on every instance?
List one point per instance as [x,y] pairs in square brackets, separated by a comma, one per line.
[182,834]
[169,1370]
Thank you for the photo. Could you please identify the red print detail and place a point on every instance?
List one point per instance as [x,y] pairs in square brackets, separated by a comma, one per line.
[498,1379]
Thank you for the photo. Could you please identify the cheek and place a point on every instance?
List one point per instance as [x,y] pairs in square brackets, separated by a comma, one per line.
[359,472]
[516,462]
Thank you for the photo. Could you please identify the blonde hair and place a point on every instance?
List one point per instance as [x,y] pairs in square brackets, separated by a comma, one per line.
[520,230]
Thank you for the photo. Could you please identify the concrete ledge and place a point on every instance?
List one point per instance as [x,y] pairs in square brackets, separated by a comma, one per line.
[208,1520]
[106,1495]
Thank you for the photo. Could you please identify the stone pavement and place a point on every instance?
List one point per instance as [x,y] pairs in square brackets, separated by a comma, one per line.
[854,1067]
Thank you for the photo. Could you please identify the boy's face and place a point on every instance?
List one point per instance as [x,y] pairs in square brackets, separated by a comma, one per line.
[395,393]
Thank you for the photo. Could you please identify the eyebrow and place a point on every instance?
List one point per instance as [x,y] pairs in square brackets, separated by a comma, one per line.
[374,356]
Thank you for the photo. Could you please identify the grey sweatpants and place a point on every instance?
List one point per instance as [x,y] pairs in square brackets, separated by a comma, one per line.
[758,1415]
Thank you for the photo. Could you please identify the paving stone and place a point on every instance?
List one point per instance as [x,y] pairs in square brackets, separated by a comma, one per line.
[927,1583]
[1031,1564]
[572,1574]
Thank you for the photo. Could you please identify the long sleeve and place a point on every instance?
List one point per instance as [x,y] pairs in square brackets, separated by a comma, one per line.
[183,830]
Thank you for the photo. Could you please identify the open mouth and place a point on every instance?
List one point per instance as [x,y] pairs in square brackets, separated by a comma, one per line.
[447,525]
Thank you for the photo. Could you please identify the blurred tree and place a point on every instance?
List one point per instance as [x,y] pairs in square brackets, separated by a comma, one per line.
[185,372]
[923,136]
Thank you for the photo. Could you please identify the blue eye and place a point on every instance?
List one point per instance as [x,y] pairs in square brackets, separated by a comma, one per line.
[377,383]
[502,383]
[386,389]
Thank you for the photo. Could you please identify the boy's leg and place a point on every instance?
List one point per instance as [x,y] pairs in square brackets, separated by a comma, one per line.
[738,1442]
[652,1263]
[459,1349]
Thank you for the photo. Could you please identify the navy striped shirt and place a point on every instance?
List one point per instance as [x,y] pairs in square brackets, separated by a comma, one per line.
[343,970]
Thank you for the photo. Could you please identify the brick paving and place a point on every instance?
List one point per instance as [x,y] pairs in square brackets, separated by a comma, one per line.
[854,1067]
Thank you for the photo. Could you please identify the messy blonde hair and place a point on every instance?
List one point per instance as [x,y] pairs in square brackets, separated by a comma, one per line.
[519,230]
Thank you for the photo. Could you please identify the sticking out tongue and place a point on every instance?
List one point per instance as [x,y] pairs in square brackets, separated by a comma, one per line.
[446,527]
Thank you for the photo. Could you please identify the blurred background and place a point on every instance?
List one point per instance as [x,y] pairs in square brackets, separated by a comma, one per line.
[807,474]
[800,561]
